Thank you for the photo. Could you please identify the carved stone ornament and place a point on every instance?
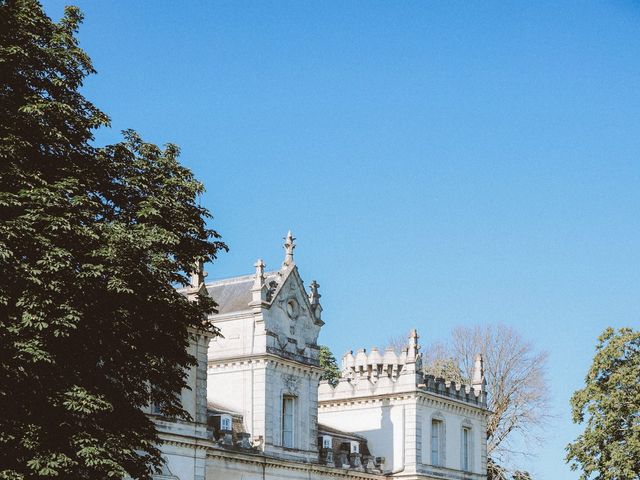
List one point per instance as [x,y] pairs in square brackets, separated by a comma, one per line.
[293,308]
[291,382]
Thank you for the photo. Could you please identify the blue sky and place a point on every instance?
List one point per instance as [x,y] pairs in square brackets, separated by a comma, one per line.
[441,163]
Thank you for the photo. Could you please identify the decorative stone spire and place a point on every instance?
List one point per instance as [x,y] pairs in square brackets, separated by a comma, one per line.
[196,285]
[289,245]
[314,299]
[198,275]
[259,278]
[412,353]
[478,381]
[259,289]
[314,296]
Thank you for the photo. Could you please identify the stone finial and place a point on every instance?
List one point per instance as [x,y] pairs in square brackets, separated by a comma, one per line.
[198,275]
[289,245]
[412,352]
[259,289]
[314,296]
[314,300]
[196,283]
[258,282]
[478,381]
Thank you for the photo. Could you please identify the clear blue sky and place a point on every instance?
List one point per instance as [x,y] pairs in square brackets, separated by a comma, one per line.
[441,163]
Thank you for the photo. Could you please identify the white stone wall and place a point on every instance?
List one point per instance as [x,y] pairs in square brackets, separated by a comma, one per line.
[288,378]
[380,420]
[266,352]
[183,463]
[194,399]
[398,427]
[237,466]
[455,417]
[182,441]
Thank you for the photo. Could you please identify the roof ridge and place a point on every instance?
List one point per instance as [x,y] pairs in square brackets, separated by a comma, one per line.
[238,279]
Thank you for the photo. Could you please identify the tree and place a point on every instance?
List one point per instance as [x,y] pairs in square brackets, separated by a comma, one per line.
[516,385]
[515,373]
[519,475]
[92,243]
[609,447]
[437,361]
[328,363]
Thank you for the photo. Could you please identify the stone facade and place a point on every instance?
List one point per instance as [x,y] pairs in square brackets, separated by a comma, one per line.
[388,400]
[260,411]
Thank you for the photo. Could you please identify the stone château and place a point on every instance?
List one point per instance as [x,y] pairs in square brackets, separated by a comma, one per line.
[260,411]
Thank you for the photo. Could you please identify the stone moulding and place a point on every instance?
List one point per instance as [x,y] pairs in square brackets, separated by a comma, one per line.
[272,462]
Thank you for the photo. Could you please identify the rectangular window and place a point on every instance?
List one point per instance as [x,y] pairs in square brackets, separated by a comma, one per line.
[466,434]
[436,436]
[287,421]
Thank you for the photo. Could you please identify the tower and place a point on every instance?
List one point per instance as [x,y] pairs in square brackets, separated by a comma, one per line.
[265,367]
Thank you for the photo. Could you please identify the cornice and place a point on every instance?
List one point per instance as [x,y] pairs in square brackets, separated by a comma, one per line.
[419,395]
[292,465]
[262,357]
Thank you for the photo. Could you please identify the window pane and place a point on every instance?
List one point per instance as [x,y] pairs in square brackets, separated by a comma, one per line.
[435,442]
[465,449]
[287,422]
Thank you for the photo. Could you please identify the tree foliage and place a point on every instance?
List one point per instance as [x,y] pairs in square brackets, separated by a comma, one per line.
[517,391]
[92,243]
[609,404]
[328,363]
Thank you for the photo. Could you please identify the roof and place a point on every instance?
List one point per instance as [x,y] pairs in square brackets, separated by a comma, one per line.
[215,409]
[340,433]
[234,294]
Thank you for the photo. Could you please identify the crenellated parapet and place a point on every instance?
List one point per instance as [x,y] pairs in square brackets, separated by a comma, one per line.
[457,391]
[373,374]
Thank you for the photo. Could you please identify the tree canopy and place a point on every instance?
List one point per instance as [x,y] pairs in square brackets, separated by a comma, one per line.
[328,362]
[609,404]
[93,242]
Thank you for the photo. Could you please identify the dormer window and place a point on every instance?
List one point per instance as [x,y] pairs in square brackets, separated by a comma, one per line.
[355,446]
[225,422]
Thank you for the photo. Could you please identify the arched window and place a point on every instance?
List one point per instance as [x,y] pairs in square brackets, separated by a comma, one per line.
[438,440]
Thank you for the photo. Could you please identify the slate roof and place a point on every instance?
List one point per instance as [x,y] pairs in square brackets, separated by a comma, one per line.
[234,294]
[339,433]
[342,438]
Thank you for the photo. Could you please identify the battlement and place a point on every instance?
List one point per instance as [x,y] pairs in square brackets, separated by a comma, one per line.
[372,374]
